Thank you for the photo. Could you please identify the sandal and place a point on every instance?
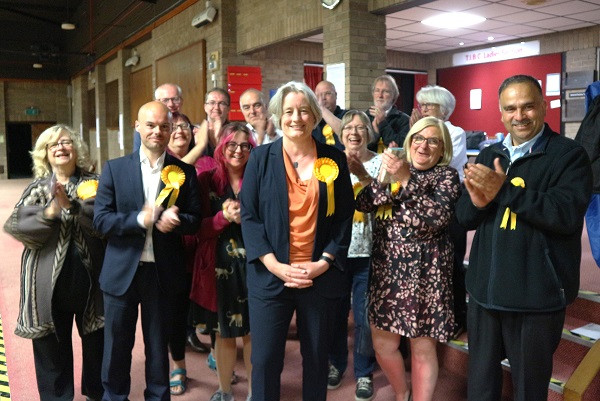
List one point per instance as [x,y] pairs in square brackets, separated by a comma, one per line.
[182,384]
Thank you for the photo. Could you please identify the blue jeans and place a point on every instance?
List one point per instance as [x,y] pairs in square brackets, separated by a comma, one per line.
[358,272]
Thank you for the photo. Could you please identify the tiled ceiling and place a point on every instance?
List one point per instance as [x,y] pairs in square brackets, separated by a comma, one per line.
[506,20]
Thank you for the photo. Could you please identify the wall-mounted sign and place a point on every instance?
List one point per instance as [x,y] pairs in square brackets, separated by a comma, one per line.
[32,111]
[497,53]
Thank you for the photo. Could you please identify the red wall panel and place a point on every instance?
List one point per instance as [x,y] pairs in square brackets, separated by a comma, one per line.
[488,77]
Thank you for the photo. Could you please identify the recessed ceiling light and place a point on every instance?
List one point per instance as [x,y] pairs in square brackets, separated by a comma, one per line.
[461,44]
[453,20]
[490,38]
[67,26]
[37,65]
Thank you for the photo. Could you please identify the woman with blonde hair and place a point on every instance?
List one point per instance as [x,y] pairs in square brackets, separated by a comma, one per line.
[60,266]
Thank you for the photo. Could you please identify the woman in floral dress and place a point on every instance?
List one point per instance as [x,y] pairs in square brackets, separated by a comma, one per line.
[410,289]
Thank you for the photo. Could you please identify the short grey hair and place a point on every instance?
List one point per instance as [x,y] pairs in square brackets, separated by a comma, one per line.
[438,95]
[276,103]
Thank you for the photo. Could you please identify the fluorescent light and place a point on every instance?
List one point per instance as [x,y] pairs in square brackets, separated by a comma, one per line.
[37,65]
[67,26]
[453,20]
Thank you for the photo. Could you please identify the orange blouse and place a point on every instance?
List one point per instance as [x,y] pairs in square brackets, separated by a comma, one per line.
[303,201]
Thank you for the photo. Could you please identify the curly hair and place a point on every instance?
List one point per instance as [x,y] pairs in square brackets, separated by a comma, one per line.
[39,154]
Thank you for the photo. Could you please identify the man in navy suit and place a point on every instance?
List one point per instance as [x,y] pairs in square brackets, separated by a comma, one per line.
[145,202]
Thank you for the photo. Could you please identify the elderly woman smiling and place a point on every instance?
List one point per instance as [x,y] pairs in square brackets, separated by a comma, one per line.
[297,207]
[410,291]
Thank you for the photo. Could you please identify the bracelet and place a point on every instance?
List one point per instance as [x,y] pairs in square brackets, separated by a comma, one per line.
[327,259]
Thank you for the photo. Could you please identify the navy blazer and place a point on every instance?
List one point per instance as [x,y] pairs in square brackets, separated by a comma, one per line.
[265,220]
[119,200]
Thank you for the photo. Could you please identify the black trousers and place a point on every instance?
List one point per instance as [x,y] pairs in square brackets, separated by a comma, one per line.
[458,236]
[53,354]
[528,340]
[269,321]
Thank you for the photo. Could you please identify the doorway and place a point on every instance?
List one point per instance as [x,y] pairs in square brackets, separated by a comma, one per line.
[18,145]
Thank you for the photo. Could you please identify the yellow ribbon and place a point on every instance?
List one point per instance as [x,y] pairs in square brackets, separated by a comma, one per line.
[326,170]
[380,146]
[359,217]
[87,189]
[517,182]
[328,134]
[385,211]
[173,177]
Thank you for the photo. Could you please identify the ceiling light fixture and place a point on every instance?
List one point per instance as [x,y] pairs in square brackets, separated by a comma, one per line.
[453,20]
[37,65]
[67,26]
[490,38]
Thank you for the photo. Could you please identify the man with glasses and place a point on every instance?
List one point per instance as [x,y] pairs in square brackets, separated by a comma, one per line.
[257,118]
[390,125]
[217,104]
[328,129]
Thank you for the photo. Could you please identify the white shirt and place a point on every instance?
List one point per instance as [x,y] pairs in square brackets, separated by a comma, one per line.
[150,183]
[459,149]
[267,139]
[516,152]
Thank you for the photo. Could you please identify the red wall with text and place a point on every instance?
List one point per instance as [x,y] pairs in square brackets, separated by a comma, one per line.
[488,77]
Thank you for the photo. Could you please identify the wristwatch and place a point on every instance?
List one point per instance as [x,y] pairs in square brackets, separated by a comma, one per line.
[327,259]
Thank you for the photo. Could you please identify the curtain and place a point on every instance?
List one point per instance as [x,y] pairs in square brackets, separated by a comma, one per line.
[420,81]
[312,76]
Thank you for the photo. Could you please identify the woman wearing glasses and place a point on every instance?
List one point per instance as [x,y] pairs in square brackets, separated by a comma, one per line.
[297,206]
[410,291]
[61,262]
[219,277]
[437,101]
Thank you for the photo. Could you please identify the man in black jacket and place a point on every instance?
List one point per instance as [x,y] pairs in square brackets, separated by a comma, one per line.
[526,198]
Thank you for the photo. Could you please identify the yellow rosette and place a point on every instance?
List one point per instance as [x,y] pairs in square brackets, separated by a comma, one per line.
[328,134]
[173,177]
[87,189]
[359,217]
[517,182]
[385,211]
[326,170]
[380,146]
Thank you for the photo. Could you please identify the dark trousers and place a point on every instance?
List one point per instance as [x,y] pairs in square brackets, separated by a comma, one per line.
[458,236]
[358,272]
[179,326]
[53,358]
[269,321]
[121,314]
[528,340]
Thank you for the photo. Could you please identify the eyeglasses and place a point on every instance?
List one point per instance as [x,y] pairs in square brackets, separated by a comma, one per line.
[212,103]
[359,128]
[175,100]
[66,143]
[232,146]
[326,94]
[431,142]
[427,106]
[182,126]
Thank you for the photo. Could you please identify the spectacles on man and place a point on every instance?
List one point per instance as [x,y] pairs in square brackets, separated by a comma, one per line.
[66,143]
[175,100]
[431,142]
[427,106]
[212,103]
[182,126]
[232,146]
[358,128]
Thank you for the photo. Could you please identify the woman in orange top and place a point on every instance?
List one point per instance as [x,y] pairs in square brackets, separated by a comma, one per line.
[297,208]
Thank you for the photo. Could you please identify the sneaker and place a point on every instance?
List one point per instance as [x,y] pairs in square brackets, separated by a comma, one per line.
[334,379]
[197,345]
[221,396]
[364,389]
[211,362]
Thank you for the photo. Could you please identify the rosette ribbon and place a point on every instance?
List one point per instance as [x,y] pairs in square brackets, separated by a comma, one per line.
[87,189]
[328,134]
[385,211]
[326,170]
[517,182]
[173,177]
[359,217]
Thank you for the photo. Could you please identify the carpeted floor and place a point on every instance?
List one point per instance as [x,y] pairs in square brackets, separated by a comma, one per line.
[202,381]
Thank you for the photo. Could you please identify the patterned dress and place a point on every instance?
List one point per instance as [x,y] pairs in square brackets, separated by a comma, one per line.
[410,288]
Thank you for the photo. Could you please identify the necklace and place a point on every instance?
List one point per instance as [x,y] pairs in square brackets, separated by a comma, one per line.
[296,162]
